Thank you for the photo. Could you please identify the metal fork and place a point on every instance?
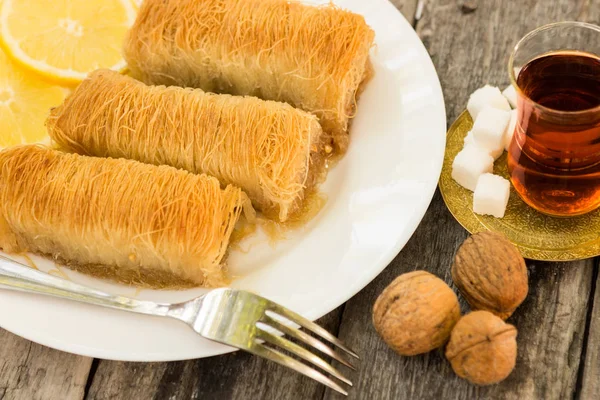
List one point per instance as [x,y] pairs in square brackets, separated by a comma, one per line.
[232,317]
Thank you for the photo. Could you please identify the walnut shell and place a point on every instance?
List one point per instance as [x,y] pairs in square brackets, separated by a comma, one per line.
[482,348]
[416,313]
[491,274]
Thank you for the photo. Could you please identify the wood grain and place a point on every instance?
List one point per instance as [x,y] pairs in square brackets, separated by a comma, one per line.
[29,371]
[469,50]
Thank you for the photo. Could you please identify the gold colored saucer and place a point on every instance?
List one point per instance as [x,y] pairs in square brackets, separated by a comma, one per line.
[538,236]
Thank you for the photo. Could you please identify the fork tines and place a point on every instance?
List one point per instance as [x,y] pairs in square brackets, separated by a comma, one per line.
[274,318]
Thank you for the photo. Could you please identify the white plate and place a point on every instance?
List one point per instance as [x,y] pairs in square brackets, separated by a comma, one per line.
[377,194]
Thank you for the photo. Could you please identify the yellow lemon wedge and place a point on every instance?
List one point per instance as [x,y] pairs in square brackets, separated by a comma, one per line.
[66,39]
[25,102]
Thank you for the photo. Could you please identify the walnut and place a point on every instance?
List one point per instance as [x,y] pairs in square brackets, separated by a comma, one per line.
[482,348]
[491,274]
[415,313]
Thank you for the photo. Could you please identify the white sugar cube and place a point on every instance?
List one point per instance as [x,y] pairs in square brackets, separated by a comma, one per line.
[489,128]
[470,141]
[495,154]
[491,195]
[469,164]
[511,95]
[487,96]
[510,129]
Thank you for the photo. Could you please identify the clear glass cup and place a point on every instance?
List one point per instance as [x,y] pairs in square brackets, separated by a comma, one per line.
[554,156]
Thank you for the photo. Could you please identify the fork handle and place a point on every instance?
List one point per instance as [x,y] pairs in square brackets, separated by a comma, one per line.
[17,276]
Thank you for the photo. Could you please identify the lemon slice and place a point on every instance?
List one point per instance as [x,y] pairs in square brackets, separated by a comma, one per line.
[25,102]
[66,39]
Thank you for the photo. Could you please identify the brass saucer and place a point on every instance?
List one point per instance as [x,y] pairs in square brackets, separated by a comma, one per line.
[538,236]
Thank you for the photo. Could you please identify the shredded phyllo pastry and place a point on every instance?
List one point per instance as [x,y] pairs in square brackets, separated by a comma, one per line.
[269,149]
[314,58]
[136,223]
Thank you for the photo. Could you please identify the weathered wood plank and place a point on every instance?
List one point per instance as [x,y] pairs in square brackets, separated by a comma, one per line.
[29,371]
[470,50]
[236,376]
[590,388]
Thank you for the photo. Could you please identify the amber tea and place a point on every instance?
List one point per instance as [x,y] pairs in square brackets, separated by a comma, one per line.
[554,158]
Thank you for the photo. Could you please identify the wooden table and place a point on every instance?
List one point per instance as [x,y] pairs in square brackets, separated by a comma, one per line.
[559,323]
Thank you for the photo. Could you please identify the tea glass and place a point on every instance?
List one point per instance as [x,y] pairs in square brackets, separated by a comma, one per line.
[554,156]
